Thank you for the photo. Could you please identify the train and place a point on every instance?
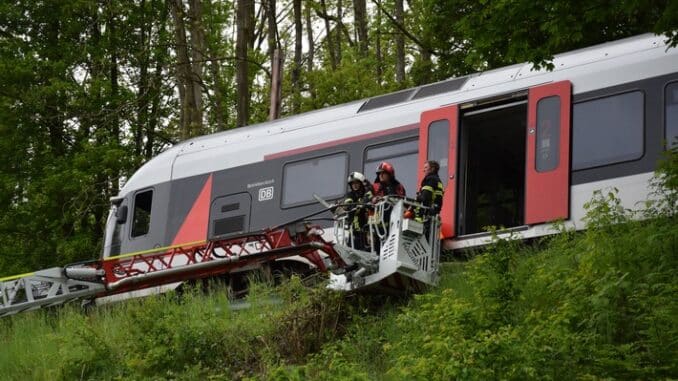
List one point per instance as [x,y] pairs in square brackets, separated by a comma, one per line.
[519,148]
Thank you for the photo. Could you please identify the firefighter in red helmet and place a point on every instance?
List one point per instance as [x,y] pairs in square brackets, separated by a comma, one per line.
[386,184]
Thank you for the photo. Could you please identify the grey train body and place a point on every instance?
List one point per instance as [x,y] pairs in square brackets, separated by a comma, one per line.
[255,177]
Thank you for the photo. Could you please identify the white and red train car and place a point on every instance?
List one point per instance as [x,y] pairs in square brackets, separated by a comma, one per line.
[518,148]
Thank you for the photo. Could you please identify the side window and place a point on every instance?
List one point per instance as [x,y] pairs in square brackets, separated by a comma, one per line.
[671,120]
[402,155]
[141,222]
[548,134]
[608,130]
[324,176]
[439,145]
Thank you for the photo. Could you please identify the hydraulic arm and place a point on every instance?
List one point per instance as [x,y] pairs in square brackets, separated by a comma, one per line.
[402,256]
[151,268]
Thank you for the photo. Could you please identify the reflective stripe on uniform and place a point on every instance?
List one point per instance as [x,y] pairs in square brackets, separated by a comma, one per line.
[440,191]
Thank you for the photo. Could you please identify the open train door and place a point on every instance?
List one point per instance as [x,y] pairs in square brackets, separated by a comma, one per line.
[547,172]
[438,138]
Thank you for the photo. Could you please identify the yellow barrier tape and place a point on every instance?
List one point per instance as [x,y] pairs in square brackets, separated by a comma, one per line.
[13,277]
[153,250]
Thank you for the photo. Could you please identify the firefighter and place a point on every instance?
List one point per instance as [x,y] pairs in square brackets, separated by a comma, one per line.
[386,184]
[360,194]
[430,195]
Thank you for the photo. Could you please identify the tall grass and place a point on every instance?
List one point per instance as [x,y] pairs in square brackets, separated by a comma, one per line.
[193,336]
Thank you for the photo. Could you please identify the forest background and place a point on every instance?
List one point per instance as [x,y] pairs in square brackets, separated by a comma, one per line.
[90,90]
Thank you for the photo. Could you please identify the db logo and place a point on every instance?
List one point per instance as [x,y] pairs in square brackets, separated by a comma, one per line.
[266,194]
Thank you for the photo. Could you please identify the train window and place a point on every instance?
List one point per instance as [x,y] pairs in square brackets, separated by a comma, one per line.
[402,155]
[324,176]
[439,145]
[607,130]
[548,134]
[671,104]
[393,149]
[141,223]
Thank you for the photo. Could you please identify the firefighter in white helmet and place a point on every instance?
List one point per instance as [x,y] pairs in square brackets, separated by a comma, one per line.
[358,196]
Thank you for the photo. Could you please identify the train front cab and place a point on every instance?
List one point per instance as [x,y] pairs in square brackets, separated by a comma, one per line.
[505,161]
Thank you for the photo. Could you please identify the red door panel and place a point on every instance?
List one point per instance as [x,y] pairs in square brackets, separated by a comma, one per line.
[451,115]
[547,172]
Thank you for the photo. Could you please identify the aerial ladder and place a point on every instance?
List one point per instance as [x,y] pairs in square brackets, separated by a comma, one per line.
[406,259]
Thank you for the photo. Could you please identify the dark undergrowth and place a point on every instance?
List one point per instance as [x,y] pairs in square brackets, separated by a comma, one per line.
[599,304]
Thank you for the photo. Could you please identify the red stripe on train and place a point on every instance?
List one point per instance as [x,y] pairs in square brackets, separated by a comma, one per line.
[194,227]
[333,143]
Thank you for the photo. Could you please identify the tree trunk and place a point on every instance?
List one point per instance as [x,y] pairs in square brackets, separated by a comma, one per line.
[360,19]
[143,92]
[274,109]
[198,59]
[155,87]
[114,119]
[94,93]
[252,36]
[244,31]
[400,44]
[155,107]
[272,30]
[338,29]
[377,48]
[183,70]
[328,36]
[213,43]
[276,79]
[218,95]
[309,35]
[296,69]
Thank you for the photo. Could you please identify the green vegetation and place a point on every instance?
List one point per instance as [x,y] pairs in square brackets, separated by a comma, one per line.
[186,337]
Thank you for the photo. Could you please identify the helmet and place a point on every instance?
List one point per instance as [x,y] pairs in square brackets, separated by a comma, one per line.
[356,176]
[386,167]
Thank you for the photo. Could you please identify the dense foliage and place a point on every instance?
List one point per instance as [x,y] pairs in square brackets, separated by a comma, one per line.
[599,304]
[494,33]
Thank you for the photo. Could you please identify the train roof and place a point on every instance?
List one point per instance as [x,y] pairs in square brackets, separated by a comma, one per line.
[588,69]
